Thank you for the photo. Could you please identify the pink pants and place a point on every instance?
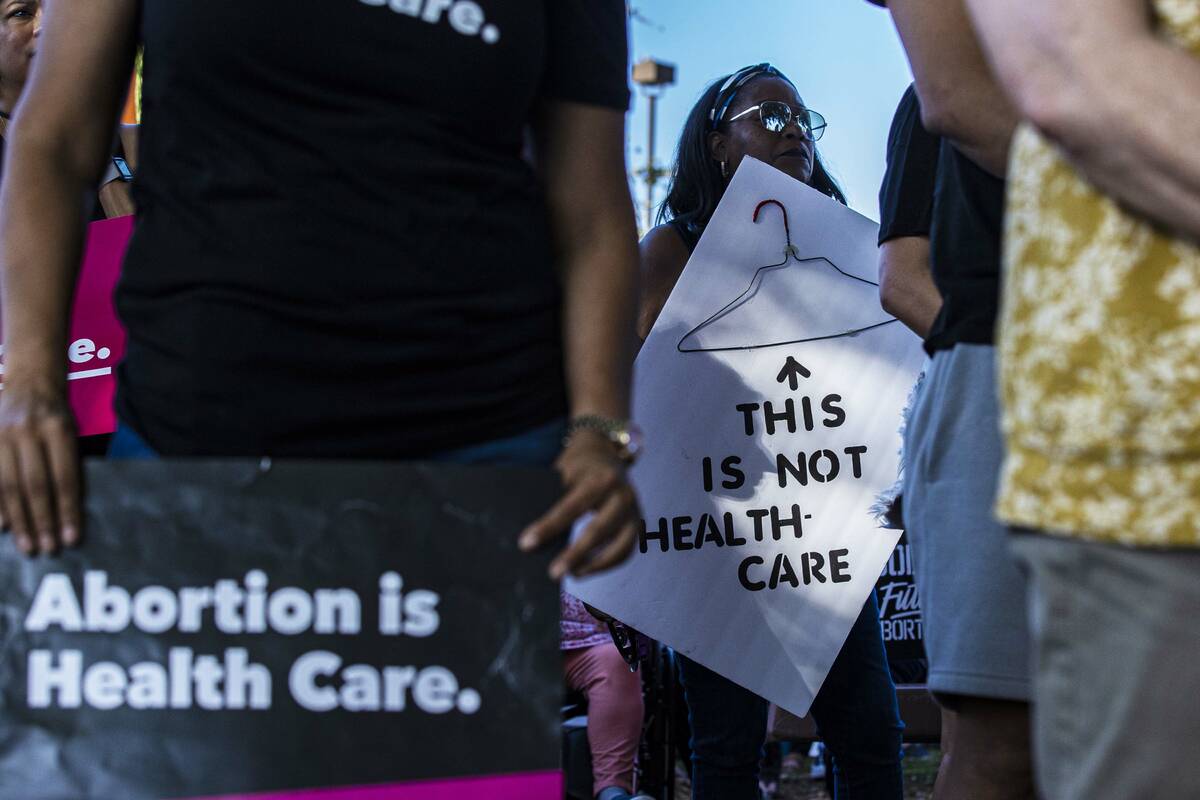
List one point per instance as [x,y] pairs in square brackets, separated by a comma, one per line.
[614,696]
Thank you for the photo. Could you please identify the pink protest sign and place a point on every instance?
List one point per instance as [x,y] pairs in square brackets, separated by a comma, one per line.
[96,340]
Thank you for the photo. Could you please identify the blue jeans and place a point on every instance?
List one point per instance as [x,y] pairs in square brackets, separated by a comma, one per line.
[126,445]
[855,711]
[535,448]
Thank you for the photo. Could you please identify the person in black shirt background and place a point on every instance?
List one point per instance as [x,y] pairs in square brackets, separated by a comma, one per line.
[947,155]
[856,709]
[340,250]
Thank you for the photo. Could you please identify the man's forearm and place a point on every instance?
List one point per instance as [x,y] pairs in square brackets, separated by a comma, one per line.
[960,98]
[1090,75]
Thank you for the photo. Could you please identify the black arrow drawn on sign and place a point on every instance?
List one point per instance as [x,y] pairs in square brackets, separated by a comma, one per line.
[791,372]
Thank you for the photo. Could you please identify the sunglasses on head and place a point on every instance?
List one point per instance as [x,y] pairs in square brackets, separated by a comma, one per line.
[775,116]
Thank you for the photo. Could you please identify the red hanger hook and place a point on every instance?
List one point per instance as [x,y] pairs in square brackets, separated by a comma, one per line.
[787,231]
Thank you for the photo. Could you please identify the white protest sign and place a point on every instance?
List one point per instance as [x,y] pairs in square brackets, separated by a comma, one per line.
[770,391]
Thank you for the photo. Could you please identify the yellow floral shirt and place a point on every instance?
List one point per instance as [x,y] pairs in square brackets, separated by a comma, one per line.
[1099,345]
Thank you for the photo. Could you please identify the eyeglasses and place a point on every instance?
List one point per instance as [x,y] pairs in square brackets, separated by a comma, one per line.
[775,116]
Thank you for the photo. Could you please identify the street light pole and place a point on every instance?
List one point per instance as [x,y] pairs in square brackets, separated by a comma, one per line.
[651,172]
[652,75]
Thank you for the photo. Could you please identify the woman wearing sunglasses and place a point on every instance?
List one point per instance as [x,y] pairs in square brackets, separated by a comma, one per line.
[758,112]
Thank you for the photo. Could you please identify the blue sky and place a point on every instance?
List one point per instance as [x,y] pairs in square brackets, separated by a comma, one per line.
[843,55]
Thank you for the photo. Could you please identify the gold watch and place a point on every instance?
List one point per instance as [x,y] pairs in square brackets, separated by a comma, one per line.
[625,436]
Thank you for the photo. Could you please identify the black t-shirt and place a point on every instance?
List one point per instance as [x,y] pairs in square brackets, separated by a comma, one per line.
[965,227]
[340,250]
[906,195]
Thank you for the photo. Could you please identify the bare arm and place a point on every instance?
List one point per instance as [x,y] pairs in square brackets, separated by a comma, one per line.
[960,99]
[581,156]
[1121,103]
[129,143]
[582,160]
[58,143]
[906,288]
[116,199]
[663,257]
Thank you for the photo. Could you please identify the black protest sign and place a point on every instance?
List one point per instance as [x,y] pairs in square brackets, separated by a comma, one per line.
[234,627]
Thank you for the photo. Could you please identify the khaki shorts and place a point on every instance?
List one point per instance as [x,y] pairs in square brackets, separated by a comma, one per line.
[1116,708]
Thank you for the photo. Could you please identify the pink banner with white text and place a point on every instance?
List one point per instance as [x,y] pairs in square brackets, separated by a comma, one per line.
[96,341]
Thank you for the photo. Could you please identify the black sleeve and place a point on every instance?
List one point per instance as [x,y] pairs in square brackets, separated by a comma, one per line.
[906,196]
[588,53]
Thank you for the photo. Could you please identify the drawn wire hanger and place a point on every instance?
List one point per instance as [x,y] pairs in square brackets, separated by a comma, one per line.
[789,254]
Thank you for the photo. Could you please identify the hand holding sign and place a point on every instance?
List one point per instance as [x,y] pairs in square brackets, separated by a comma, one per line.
[41,413]
[39,468]
[595,480]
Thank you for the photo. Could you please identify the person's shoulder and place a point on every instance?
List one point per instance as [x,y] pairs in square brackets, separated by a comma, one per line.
[664,255]
[664,252]
[665,239]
